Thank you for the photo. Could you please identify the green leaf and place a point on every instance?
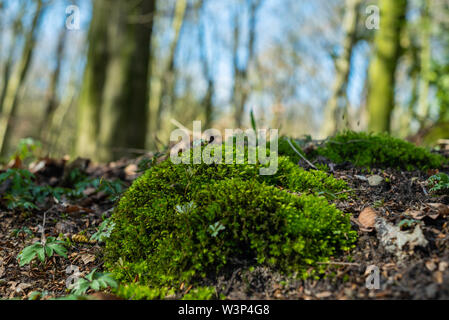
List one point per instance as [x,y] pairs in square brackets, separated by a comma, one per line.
[59,249]
[95,285]
[41,253]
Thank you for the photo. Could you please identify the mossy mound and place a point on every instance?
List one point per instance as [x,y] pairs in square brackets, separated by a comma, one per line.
[378,150]
[178,223]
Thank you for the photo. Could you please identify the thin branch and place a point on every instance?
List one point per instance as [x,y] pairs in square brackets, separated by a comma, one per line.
[299,153]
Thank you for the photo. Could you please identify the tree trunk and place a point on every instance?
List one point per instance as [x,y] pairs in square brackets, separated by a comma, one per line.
[383,65]
[425,57]
[91,96]
[337,104]
[207,101]
[166,98]
[124,111]
[52,96]
[17,28]
[240,89]
[16,84]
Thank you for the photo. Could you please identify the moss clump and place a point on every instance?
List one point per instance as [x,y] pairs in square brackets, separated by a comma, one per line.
[381,150]
[178,223]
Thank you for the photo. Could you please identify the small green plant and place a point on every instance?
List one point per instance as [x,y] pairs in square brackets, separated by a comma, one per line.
[104,231]
[378,150]
[78,182]
[439,183]
[96,281]
[23,231]
[37,295]
[113,189]
[26,150]
[41,250]
[23,193]
[408,223]
[215,228]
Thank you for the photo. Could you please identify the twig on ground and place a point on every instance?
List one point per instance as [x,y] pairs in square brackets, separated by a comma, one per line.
[353,264]
[299,153]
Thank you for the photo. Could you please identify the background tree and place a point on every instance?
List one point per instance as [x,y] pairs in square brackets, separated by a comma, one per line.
[241,90]
[337,105]
[381,96]
[120,96]
[15,85]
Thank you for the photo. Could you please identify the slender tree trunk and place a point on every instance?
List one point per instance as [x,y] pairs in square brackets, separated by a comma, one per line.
[91,96]
[337,104]
[425,57]
[9,64]
[240,89]
[207,101]
[124,112]
[166,98]
[52,96]
[383,65]
[16,84]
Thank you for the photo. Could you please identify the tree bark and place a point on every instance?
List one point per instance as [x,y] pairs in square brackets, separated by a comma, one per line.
[383,65]
[124,112]
[91,96]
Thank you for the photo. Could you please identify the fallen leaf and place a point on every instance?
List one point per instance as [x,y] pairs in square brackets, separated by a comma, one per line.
[375,180]
[22,286]
[443,266]
[438,277]
[416,214]
[430,265]
[324,294]
[87,258]
[439,208]
[131,170]
[367,217]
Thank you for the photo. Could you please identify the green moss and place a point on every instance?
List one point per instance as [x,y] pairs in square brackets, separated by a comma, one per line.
[378,150]
[135,291]
[178,223]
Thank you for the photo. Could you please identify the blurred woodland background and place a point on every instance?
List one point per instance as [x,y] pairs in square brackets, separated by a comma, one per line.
[103,78]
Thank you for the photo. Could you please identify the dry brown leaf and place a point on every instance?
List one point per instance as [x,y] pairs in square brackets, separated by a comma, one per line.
[430,265]
[443,266]
[416,214]
[323,295]
[438,277]
[367,217]
[88,258]
[131,170]
[441,210]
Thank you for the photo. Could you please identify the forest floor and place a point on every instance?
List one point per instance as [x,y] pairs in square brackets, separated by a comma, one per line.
[401,198]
